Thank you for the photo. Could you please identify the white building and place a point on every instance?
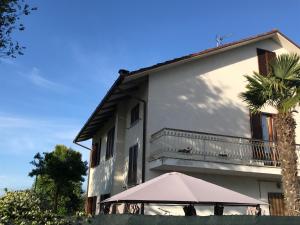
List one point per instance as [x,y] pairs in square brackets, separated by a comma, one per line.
[186,115]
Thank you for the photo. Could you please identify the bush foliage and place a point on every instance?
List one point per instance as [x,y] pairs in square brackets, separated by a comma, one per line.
[25,207]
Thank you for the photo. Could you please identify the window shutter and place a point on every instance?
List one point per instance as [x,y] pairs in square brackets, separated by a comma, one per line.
[93,161]
[94,205]
[256,128]
[98,152]
[262,63]
[110,143]
[91,158]
[270,56]
[264,58]
[132,165]
[89,205]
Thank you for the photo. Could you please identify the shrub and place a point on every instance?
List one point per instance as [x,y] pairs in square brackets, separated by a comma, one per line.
[25,207]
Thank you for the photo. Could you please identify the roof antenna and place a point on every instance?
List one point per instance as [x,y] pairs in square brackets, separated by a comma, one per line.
[220,39]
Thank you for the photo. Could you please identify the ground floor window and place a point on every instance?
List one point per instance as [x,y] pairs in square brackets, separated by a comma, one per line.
[102,198]
[132,165]
[91,205]
[276,202]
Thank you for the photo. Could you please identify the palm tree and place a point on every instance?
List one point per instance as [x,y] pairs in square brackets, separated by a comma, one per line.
[280,88]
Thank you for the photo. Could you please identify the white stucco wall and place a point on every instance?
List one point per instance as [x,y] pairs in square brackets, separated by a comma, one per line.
[101,176]
[110,176]
[203,95]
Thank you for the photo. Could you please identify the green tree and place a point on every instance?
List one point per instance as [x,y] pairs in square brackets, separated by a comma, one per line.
[60,175]
[11,12]
[281,90]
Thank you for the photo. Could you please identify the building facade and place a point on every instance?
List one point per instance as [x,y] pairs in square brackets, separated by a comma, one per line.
[186,115]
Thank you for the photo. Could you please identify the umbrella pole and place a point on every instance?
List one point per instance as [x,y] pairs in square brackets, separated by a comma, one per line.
[142,209]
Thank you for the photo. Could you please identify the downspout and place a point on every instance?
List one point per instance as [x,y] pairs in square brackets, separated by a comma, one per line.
[123,73]
[144,134]
[144,148]
[88,180]
[144,141]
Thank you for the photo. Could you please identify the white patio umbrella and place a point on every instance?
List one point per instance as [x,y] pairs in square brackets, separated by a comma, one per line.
[178,188]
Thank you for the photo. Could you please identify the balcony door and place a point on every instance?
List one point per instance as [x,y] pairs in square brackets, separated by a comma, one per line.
[264,133]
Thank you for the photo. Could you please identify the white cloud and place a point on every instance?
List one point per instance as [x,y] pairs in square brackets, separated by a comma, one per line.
[36,78]
[40,81]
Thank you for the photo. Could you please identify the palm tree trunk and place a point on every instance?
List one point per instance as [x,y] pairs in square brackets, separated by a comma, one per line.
[285,127]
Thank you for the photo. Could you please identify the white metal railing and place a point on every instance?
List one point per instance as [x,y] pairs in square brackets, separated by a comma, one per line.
[182,144]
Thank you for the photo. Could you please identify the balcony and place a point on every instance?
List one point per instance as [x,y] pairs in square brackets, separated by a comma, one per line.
[173,149]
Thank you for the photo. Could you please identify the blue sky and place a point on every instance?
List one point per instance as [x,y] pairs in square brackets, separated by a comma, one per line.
[75,49]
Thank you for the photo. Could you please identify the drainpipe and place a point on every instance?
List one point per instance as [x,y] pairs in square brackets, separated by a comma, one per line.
[124,73]
[88,180]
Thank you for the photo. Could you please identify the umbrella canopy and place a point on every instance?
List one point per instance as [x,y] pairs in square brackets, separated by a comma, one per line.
[179,188]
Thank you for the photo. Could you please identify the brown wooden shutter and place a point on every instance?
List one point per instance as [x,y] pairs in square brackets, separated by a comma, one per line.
[276,202]
[89,205]
[99,152]
[96,152]
[110,143]
[264,59]
[94,205]
[132,165]
[256,127]
[93,161]
[256,133]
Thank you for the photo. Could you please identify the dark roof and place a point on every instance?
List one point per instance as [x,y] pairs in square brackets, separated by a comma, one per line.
[88,130]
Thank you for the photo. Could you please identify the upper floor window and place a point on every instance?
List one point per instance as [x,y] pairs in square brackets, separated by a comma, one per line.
[95,154]
[264,59]
[135,114]
[110,143]
[132,165]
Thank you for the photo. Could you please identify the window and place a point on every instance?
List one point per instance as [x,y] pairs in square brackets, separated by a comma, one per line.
[91,205]
[262,126]
[262,129]
[267,125]
[135,114]
[98,152]
[110,143]
[102,198]
[132,165]
[95,154]
[264,58]
[276,204]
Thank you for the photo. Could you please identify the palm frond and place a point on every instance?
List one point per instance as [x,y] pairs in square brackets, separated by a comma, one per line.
[286,67]
[280,88]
